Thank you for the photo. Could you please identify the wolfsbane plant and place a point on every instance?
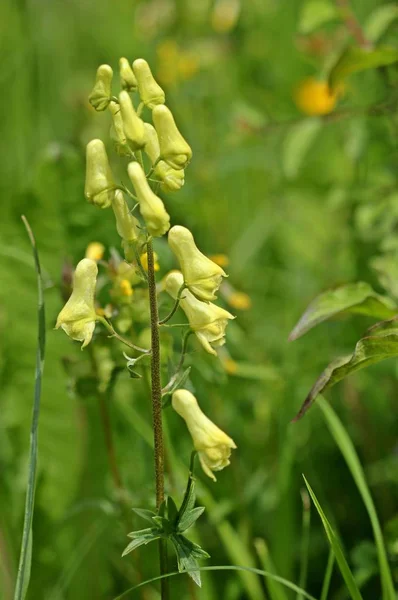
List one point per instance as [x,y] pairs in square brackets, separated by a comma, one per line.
[157,156]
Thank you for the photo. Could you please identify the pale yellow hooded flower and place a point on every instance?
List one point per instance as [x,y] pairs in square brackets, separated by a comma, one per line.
[100,186]
[126,224]
[150,91]
[117,129]
[102,91]
[127,77]
[206,319]
[212,444]
[133,125]
[173,148]
[78,316]
[171,179]
[201,275]
[151,206]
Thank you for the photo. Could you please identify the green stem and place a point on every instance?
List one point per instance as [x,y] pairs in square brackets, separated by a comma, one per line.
[156,393]
[176,305]
[180,363]
[115,334]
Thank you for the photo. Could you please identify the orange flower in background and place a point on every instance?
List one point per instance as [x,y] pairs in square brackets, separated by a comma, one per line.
[314,97]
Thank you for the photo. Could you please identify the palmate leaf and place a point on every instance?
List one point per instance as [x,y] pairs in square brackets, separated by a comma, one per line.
[140,538]
[369,350]
[357,298]
[187,554]
[355,59]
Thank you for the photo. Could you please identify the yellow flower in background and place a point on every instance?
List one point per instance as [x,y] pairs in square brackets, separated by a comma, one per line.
[99,187]
[95,251]
[173,148]
[144,261]
[127,77]
[102,90]
[206,319]
[151,206]
[314,97]
[78,316]
[201,275]
[150,91]
[125,288]
[225,15]
[230,366]
[175,63]
[221,260]
[212,444]
[236,299]
[133,125]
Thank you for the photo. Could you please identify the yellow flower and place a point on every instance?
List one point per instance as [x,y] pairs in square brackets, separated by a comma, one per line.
[171,179]
[201,275]
[144,261]
[132,124]
[173,148]
[102,90]
[206,319]
[125,288]
[314,97]
[212,444]
[150,91]
[78,316]
[230,366]
[221,260]
[239,300]
[152,208]
[100,186]
[225,15]
[95,251]
[117,128]
[127,77]
[126,224]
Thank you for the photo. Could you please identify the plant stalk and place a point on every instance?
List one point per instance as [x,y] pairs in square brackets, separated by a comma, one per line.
[156,394]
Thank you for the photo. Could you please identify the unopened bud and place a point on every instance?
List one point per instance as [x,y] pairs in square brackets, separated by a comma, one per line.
[171,179]
[126,224]
[173,148]
[117,130]
[100,186]
[151,206]
[127,77]
[150,91]
[132,124]
[102,90]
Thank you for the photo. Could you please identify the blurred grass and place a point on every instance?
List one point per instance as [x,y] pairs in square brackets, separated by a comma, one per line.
[289,234]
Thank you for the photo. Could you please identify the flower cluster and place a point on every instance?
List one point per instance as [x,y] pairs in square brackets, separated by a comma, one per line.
[157,155]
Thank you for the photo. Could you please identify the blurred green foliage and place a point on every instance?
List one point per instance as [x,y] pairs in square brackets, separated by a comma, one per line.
[296,204]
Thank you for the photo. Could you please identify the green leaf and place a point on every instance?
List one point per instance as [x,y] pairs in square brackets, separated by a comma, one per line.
[386,267]
[347,449]
[353,297]
[172,510]
[297,144]
[379,21]
[25,559]
[141,540]
[314,14]
[141,532]
[355,59]
[337,550]
[369,350]
[187,552]
[178,383]
[144,513]
[189,518]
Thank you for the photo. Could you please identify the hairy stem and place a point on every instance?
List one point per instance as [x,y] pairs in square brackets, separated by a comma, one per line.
[156,393]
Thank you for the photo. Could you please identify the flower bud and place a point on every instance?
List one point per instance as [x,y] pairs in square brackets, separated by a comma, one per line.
[151,207]
[173,148]
[201,275]
[206,319]
[171,179]
[150,91]
[126,224]
[78,316]
[127,77]
[102,90]
[212,444]
[117,129]
[95,251]
[99,188]
[132,124]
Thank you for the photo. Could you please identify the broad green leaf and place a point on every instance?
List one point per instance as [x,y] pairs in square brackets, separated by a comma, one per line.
[297,144]
[355,59]
[368,351]
[379,21]
[144,513]
[316,13]
[337,550]
[25,559]
[189,518]
[386,267]
[347,449]
[353,297]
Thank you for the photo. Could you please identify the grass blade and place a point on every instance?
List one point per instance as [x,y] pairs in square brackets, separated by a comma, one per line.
[337,550]
[328,576]
[305,541]
[347,449]
[275,590]
[24,566]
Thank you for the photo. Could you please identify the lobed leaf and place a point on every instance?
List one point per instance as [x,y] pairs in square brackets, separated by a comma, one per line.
[189,517]
[357,298]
